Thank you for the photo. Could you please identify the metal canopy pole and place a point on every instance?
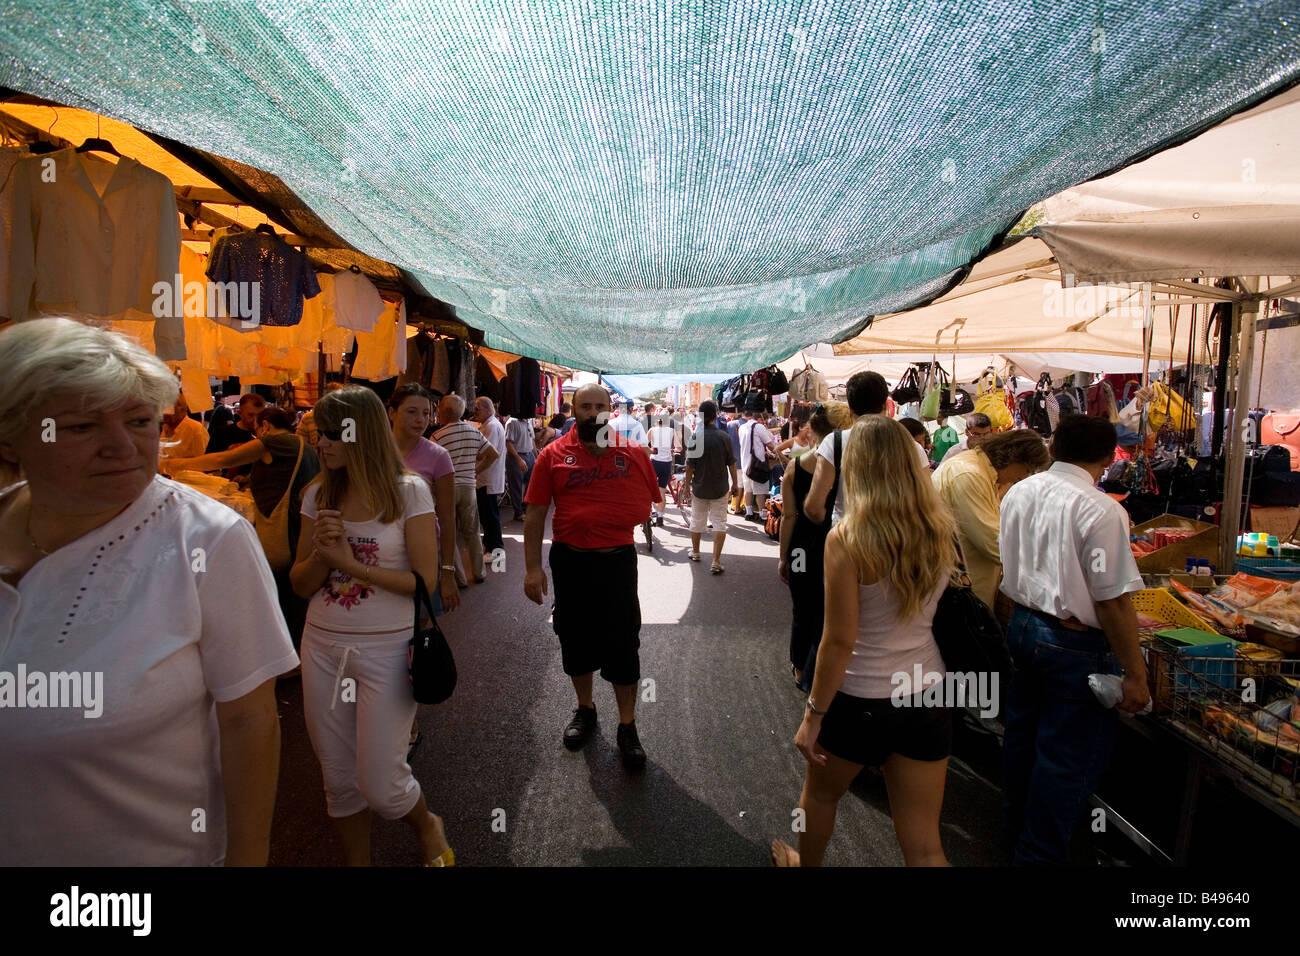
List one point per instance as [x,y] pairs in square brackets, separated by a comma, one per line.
[1240,369]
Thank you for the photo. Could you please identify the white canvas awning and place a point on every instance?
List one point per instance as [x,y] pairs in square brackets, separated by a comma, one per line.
[1225,203]
[1013,308]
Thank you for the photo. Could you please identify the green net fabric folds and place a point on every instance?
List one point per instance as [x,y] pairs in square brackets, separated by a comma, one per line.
[659,186]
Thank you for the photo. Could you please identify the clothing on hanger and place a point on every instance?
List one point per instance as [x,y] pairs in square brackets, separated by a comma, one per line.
[357,304]
[9,157]
[440,373]
[89,236]
[269,274]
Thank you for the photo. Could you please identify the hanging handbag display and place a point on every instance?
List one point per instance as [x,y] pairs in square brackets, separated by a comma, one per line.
[966,630]
[777,384]
[956,401]
[433,669]
[759,470]
[932,404]
[993,401]
[909,387]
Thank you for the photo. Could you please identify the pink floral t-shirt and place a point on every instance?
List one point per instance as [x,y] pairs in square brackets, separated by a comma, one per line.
[342,604]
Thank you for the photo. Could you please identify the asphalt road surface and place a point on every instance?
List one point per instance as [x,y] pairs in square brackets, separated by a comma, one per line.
[722,777]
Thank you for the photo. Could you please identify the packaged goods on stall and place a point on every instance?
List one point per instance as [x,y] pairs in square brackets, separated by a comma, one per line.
[1211,609]
[1282,607]
[1245,590]
[1156,538]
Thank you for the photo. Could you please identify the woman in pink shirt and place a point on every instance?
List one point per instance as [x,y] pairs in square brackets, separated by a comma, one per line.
[410,409]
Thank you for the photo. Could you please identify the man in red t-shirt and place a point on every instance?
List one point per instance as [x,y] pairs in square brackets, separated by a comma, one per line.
[603,486]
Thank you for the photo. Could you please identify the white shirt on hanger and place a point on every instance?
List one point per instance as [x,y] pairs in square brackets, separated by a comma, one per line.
[357,304]
[90,237]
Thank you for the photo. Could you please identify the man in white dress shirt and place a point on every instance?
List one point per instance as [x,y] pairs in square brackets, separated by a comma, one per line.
[1068,568]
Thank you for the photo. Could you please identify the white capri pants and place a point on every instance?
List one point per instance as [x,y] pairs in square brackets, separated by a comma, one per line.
[756,487]
[361,745]
[708,511]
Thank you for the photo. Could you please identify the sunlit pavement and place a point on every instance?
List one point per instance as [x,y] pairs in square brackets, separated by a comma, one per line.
[722,778]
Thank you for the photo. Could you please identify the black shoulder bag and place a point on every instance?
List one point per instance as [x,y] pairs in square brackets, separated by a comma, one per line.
[966,630]
[759,470]
[433,669]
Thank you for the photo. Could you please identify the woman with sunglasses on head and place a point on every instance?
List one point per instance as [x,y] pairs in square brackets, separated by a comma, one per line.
[368,523]
[888,562]
[802,544]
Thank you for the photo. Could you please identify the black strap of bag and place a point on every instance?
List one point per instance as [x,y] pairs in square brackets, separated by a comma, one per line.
[433,669]
[759,469]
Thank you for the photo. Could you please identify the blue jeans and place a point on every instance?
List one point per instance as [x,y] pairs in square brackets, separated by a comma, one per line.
[1058,738]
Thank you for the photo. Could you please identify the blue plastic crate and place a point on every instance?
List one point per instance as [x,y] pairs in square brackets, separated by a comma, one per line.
[1281,569]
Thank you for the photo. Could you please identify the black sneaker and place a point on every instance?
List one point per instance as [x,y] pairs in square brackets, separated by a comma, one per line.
[629,745]
[580,727]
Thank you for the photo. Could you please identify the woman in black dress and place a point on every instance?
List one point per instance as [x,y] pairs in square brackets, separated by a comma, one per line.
[802,546]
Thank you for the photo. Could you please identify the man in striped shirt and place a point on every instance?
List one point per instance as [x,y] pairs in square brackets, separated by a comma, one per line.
[470,453]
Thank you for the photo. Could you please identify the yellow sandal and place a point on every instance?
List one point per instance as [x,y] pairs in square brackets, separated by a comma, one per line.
[446,858]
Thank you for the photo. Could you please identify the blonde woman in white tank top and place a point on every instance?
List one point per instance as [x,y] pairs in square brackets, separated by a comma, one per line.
[887,564]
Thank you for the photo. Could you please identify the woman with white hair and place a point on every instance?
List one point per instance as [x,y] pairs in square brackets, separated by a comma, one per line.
[138,619]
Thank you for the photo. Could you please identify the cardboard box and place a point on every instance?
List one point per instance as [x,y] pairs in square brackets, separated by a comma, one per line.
[1203,544]
[1275,521]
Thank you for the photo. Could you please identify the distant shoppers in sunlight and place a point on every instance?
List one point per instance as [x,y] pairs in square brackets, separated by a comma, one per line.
[887,564]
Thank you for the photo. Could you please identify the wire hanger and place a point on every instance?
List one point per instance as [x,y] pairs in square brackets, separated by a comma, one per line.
[41,147]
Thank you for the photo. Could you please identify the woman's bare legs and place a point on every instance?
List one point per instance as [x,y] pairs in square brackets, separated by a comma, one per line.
[428,829]
[354,833]
[823,786]
[915,801]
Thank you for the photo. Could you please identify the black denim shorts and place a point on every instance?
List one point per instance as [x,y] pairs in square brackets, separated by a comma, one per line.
[597,612]
[867,730]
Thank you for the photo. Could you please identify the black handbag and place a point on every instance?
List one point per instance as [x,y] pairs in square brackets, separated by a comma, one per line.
[956,401]
[966,631]
[433,669]
[777,384]
[759,470]
[909,387]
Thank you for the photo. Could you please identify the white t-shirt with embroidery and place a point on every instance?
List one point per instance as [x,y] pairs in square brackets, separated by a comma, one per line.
[173,603]
[342,604]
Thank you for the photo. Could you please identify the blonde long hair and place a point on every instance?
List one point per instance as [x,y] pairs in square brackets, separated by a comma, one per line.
[373,465]
[895,525]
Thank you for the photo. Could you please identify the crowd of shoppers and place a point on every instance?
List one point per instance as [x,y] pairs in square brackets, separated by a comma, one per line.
[363,502]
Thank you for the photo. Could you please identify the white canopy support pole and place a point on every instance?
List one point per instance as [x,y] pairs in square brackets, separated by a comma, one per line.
[1240,369]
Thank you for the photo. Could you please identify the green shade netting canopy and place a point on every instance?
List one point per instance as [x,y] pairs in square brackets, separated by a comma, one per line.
[659,186]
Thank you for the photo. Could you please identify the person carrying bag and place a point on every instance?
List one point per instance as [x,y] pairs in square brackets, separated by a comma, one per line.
[273,529]
[760,468]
